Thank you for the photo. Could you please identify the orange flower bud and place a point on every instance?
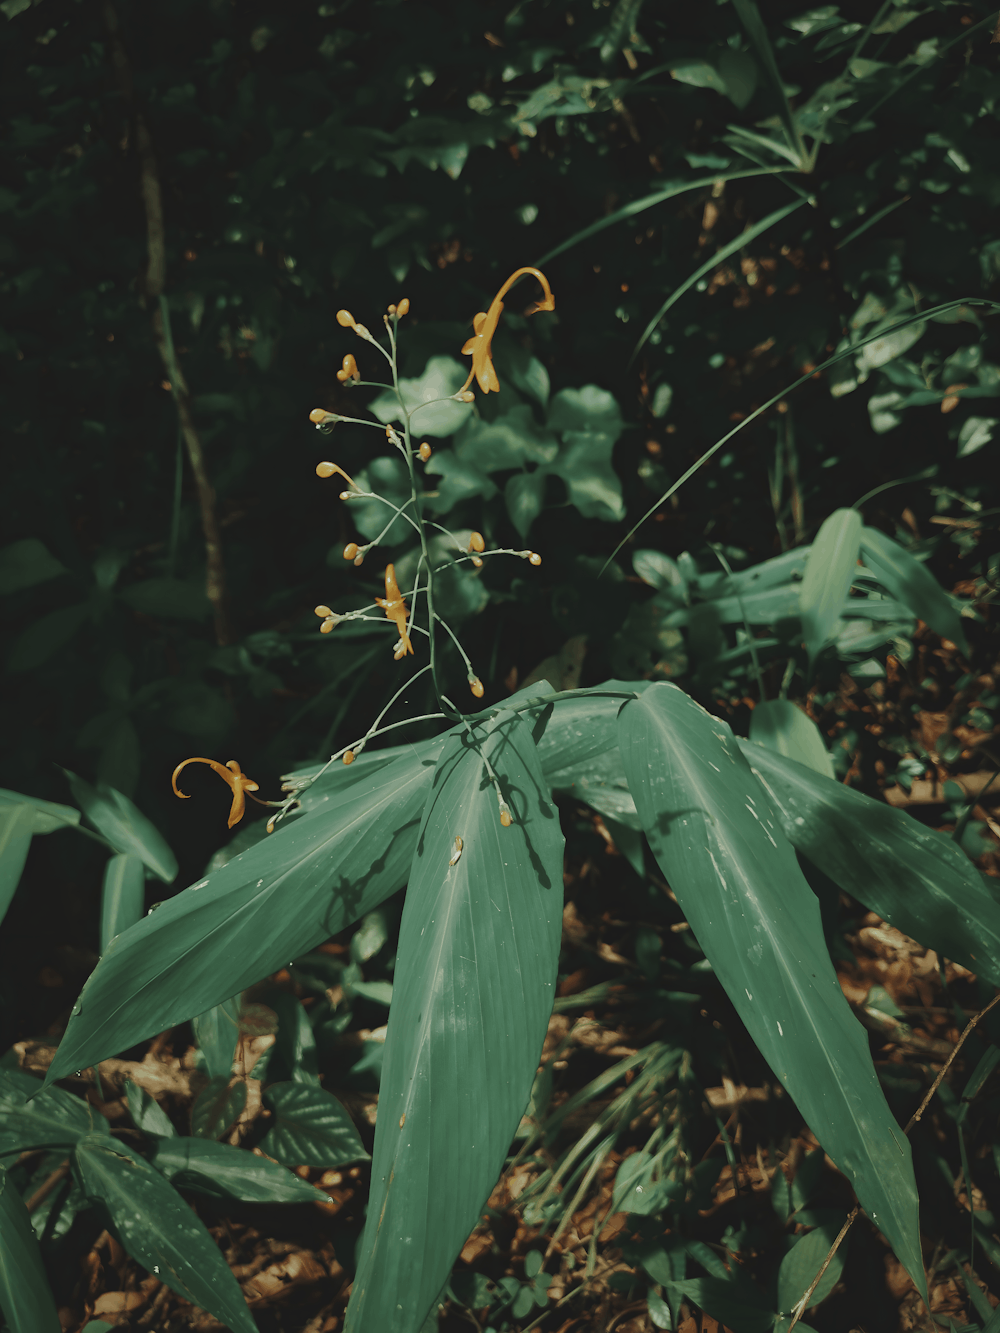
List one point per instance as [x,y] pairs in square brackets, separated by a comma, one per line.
[476,562]
[325,469]
[403,308]
[476,686]
[349,757]
[345,319]
[505,818]
[351,551]
[477,542]
[328,625]
[319,416]
[534,558]
[466,396]
[392,310]
[322,611]
[348,370]
[952,400]
[425,451]
[359,560]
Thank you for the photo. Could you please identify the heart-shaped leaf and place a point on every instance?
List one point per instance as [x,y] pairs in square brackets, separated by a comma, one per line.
[311,1127]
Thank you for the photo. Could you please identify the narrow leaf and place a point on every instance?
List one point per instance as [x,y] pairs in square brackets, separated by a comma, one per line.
[475,980]
[787,730]
[147,1114]
[736,878]
[913,584]
[804,1260]
[25,1297]
[124,825]
[827,581]
[263,908]
[123,896]
[159,1230]
[749,16]
[52,1118]
[216,1033]
[49,816]
[916,878]
[311,1127]
[224,1172]
[17,824]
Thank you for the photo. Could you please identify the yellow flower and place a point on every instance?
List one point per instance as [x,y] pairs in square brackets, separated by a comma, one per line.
[348,370]
[395,609]
[485,325]
[239,782]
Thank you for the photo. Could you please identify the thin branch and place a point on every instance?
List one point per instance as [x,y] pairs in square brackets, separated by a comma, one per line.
[50,1183]
[154,283]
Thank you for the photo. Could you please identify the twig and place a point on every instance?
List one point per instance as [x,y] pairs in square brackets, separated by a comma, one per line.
[800,1308]
[155,281]
[50,1183]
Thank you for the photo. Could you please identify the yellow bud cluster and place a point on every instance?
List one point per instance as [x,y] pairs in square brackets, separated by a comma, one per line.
[349,370]
[329,618]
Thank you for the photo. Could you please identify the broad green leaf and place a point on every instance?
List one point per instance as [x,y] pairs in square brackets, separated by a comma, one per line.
[658,570]
[387,477]
[804,1260]
[913,584]
[224,1172]
[168,598]
[475,980]
[524,496]
[589,410]
[216,1033]
[311,1127]
[830,568]
[25,1298]
[17,824]
[52,1118]
[264,908]
[218,1107]
[787,730]
[738,883]
[736,1303]
[25,563]
[510,440]
[442,377]
[885,349]
[124,825]
[460,480]
[39,641]
[584,464]
[123,895]
[147,1114]
[49,816]
[916,878]
[159,1230]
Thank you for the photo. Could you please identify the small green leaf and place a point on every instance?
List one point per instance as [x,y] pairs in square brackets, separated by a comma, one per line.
[52,1118]
[787,730]
[169,598]
[658,570]
[975,432]
[26,563]
[916,878]
[123,895]
[804,1260]
[158,1229]
[369,937]
[235,927]
[224,1172]
[736,878]
[25,1297]
[591,410]
[584,464]
[830,568]
[39,641]
[475,980]
[216,1033]
[147,1114]
[217,1107]
[524,496]
[124,825]
[311,1128]
[913,584]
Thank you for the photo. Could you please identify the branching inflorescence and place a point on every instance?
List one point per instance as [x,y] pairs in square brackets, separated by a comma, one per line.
[399,608]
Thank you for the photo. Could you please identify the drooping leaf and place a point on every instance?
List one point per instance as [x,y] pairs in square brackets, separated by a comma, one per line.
[736,878]
[17,824]
[49,815]
[159,1230]
[830,567]
[787,730]
[147,1114]
[25,1297]
[475,981]
[122,895]
[224,1172]
[52,1118]
[311,1127]
[804,1260]
[916,878]
[125,826]
[913,584]
[216,1033]
[265,907]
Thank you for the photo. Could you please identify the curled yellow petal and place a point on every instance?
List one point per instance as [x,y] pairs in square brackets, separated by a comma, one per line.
[237,780]
[484,325]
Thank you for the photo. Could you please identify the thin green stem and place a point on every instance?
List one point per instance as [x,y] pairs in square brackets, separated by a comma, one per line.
[751,641]
[454,638]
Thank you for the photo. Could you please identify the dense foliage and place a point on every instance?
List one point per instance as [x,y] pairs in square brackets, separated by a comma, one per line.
[769,237]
